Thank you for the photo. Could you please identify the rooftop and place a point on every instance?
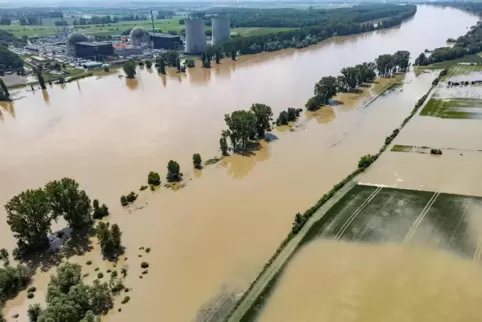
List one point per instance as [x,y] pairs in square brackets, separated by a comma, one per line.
[94,43]
[158,34]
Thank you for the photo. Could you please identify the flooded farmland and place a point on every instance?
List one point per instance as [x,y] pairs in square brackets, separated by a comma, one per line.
[345,281]
[212,236]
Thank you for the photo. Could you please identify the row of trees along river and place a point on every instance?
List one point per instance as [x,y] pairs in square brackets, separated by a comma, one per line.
[342,22]
[468,44]
[246,125]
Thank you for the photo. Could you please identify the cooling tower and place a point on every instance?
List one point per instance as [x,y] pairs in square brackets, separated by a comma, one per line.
[195,37]
[221,31]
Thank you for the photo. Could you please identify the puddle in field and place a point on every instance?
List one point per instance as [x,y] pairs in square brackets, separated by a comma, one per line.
[340,282]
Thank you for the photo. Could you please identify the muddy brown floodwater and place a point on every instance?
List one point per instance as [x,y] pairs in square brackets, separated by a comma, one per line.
[215,234]
[376,283]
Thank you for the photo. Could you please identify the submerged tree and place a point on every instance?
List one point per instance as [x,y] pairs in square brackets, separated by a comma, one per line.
[109,239]
[173,171]
[67,200]
[242,126]
[223,143]
[162,67]
[28,215]
[264,117]
[40,77]
[197,161]
[130,68]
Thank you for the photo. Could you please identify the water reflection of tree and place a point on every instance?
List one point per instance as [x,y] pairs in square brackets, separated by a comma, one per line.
[46,97]
[239,166]
[163,79]
[132,83]
[9,107]
[324,115]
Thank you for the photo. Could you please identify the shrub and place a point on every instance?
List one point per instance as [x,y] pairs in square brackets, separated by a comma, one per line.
[125,299]
[33,312]
[366,160]
[436,151]
[109,271]
[100,275]
[144,264]
[197,161]
[30,295]
[173,171]
[148,250]
[132,196]
[145,272]
[154,178]
[143,188]
[89,263]
[124,201]
[31,289]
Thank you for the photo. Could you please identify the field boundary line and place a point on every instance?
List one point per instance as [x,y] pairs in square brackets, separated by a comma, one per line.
[439,107]
[357,211]
[420,217]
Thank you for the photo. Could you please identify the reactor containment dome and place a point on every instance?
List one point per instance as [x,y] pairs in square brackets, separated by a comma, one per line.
[139,36]
[195,37]
[221,31]
[74,38]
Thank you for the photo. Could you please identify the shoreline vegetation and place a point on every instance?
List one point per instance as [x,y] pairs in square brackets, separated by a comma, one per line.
[466,45]
[301,220]
[334,22]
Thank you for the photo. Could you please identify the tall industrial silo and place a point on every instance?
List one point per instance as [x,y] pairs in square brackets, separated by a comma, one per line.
[221,31]
[195,37]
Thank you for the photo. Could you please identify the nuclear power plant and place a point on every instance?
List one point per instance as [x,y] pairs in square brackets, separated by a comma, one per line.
[195,37]
[221,31]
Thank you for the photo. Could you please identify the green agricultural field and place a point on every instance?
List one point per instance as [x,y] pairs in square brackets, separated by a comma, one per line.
[462,69]
[108,29]
[458,108]
[388,215]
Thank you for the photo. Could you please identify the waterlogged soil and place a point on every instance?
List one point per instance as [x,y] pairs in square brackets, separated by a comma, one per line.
[212,236]
[342,281]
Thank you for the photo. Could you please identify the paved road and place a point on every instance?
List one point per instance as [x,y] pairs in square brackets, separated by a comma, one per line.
[280,260]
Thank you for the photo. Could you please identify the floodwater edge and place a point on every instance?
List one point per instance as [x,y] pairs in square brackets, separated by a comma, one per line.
[259,299]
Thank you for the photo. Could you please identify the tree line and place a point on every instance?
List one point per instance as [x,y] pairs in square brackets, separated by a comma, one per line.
[352,77]
[305,36]
[289,17]
[468,44]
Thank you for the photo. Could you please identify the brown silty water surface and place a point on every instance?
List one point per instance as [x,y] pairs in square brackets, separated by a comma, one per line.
[339,282]
[216,233]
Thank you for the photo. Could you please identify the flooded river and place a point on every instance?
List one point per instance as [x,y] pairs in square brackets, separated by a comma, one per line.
[215,234]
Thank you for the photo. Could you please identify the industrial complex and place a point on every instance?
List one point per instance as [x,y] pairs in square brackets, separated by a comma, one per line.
[81,50]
